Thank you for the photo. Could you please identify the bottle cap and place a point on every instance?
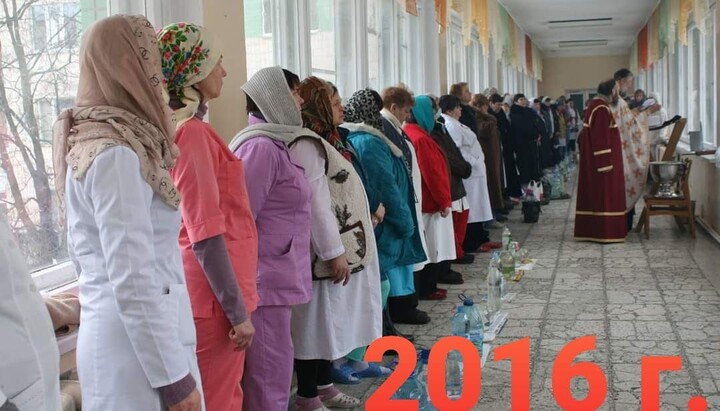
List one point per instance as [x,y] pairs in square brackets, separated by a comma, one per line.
[468,302]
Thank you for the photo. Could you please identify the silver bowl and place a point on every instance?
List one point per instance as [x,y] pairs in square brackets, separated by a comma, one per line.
[667,174]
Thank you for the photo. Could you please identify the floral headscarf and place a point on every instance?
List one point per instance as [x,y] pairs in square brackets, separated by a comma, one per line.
[317,112]
[364,107]
[189,55]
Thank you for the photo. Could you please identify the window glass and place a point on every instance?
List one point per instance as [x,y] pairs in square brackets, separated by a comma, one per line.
[258,35]
[39,74]
[709,65]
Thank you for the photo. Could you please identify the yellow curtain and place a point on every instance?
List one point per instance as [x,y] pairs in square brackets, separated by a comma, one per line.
[685,7]
[480,17]
[457,5]
[467,20]
[520,49]
[634,57]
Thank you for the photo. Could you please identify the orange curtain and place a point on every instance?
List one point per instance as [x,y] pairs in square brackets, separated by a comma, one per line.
[643,48]
[441,14]
[411,7]
[529,54]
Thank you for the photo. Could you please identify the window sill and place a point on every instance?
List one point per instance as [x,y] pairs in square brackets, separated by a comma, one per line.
[58,278]
[683,148]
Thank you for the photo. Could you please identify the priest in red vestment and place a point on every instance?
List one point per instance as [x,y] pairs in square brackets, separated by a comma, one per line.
[600,213]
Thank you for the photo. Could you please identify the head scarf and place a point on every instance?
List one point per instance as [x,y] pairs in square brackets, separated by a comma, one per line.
[189,55]
[423,113]
[364,107]
[317,112]
[114,107]
[271,94]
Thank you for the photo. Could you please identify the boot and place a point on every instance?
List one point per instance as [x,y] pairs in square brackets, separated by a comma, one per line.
[389,328]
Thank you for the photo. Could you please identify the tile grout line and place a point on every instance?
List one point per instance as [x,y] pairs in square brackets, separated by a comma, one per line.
[610,370]
[681,345]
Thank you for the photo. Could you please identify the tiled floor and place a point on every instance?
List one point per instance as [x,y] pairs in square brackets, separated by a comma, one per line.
[644,297]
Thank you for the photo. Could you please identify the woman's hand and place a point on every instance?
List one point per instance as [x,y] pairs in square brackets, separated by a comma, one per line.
[379,215]
[340,270]
[192,402]
[444,213]
[242,335]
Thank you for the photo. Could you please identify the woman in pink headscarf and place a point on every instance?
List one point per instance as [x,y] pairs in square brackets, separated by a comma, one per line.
[136,346]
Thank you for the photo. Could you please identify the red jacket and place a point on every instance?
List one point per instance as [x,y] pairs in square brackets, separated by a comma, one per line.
[433,165]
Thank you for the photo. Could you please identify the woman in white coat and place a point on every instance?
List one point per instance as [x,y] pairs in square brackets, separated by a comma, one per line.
[476,185]
[29,370]
[136,345]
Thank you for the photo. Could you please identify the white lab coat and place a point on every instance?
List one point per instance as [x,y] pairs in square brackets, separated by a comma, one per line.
[136,326]
[29,359]
[476,186]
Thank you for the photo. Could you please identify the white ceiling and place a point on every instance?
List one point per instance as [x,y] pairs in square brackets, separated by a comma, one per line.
[628,17]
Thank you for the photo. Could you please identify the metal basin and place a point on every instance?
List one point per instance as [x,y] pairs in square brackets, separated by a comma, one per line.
[667,174]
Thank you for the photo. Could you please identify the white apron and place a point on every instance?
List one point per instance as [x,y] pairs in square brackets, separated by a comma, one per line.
[29,358]
[338,319]
[136,327]
[440,235]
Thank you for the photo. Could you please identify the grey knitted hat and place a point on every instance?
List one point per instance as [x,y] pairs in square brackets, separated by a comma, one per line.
[271,94]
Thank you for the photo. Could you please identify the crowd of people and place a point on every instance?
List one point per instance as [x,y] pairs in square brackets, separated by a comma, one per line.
[210,273]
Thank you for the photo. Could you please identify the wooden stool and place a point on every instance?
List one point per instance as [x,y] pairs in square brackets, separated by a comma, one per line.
[681,207]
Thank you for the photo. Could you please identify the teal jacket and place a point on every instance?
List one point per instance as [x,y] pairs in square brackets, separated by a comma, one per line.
[398,237]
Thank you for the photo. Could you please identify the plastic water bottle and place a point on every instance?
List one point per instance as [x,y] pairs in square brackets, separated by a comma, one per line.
[495,263]
[494,301]
[460,326]
[506,238]
[476,324]
[411,388]
[507,264]
[453,375]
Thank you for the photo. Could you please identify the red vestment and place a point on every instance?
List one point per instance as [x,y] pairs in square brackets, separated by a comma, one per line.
[600,212]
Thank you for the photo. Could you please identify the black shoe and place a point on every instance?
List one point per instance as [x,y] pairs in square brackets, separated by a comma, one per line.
[415,317]
[502,211]
[500,218]
[390,330]
[466,259]
[451,277]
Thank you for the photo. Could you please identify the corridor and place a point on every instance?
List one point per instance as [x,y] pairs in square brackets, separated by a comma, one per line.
[645,297]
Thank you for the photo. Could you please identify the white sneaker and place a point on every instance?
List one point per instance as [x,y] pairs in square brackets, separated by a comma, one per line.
[342,401]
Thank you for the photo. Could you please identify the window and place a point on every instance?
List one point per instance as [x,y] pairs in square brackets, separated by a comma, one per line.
[709,69]
[373,42]
[267,17]
[55,25]
[456,52]
[322,39]
[258,35]
[50,28]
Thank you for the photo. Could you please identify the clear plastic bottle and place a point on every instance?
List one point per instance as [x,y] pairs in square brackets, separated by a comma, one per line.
[506,238]
[453,375]
[507,264]
[494,301]
[460,323]
[495,263]
[476,324]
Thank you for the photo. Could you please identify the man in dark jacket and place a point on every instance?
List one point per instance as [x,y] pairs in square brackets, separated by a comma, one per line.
[527,129]
[512,181]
